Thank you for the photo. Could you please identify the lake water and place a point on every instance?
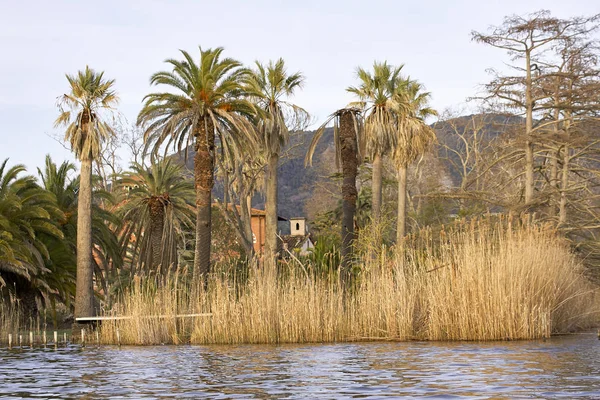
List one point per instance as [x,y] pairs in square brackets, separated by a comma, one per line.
[567,367]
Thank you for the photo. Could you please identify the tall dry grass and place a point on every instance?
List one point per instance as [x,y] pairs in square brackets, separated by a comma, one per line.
[11,318]
[475,281]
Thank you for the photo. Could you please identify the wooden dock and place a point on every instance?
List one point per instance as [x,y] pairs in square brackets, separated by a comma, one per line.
[116,318]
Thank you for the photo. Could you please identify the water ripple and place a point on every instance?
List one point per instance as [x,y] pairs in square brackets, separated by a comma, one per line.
[566,367]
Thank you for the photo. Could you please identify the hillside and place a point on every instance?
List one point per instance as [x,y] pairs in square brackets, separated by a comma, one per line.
[298,184]
[480,128]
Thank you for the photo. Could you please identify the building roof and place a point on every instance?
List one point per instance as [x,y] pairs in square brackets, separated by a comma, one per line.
[291,242]
[255,212]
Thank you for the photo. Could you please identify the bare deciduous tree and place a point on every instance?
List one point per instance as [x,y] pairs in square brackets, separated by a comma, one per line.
[527,40]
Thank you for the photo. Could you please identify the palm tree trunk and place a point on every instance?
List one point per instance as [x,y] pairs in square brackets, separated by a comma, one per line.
[271,210]
[157,222]
[203,180]
[84,293]
[376,186]
[401,224]
[349,162]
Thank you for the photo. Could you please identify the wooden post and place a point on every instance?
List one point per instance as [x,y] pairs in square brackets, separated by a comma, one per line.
[45,339]
[55,339]
[83,338]
[97,338]
[118,337]
[10,341]
[65,338]
[31,339]
[20,340]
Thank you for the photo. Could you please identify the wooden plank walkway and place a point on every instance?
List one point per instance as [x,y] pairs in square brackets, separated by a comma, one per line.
[115,318]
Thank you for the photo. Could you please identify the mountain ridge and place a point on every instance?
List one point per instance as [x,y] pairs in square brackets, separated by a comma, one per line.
[297,183]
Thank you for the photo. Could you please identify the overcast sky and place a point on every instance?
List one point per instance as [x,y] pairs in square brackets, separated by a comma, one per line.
[326,40]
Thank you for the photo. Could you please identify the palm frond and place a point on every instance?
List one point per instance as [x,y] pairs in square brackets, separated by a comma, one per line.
[80,112]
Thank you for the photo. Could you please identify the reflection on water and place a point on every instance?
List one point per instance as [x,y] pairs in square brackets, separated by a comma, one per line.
[565,367]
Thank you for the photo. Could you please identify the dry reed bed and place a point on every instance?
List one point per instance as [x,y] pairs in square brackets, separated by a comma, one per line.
[11,318]
[476,281]
[14,321]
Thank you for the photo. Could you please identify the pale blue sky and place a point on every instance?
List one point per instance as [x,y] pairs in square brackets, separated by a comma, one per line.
[326,40]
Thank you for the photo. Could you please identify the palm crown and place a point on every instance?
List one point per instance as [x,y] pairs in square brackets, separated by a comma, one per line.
[415,135]
[80,112]
[159,197]
[380,96]
[208,92]
[269,85]
[26,213]
[359,135]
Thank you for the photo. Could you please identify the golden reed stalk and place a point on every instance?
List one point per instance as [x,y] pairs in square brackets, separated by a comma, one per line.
[476,281]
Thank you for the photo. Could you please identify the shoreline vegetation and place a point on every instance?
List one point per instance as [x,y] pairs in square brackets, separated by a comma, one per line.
[479,227]
[486,279]
[479,280]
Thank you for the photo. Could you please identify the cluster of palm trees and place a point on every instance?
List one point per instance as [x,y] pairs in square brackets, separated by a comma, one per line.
[38,239]
[136,225]
[231,116]
[387,119]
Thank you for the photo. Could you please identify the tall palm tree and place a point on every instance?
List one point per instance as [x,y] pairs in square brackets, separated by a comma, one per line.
[105,250]
[416,136]
[80,112]
[349,143]
[208,101]
[377,97]
[158,206]
[269,86]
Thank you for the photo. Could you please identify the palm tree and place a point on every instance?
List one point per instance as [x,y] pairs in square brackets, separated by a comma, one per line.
[416,136]
[158,206]
[55,180]
[349,143]
[208,102]
[269,85]
[105,249]
[90,94]
[26,214]
[377,97]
